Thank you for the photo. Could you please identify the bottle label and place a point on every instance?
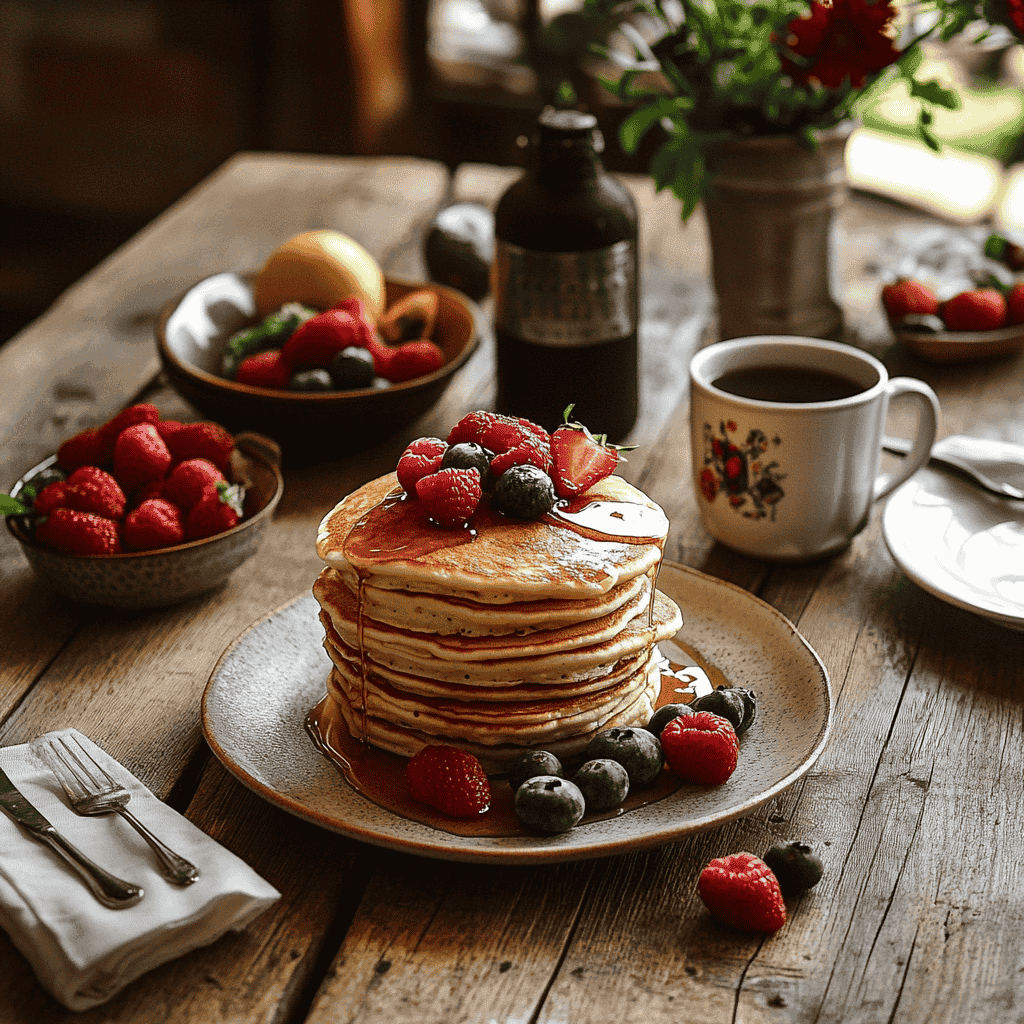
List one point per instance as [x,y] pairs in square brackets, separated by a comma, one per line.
[566,299]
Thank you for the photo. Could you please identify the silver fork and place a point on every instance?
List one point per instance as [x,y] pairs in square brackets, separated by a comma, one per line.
[91,790]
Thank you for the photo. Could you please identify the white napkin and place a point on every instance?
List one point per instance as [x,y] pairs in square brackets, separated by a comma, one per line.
[82,952]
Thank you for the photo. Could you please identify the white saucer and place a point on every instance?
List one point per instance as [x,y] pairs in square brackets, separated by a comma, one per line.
[959,543]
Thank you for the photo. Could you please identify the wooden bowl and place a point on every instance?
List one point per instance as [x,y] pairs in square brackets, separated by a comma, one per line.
[156,579]
[310,427]
[962,346]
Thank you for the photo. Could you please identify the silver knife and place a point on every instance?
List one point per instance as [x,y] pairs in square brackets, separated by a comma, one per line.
[110,891]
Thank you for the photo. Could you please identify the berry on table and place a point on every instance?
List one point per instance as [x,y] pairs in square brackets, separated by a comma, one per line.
[603,783]
[79,533]
[741,891]
[795,865]
[421,458]
[637,750]
[450,780]
[532,763]
[549,804]
[524,492]
[701,747]
[450,496]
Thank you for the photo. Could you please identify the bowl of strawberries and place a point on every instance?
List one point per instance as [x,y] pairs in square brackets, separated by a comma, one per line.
[144,513]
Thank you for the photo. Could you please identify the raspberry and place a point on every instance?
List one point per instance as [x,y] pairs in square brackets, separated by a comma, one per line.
[420,459]
[204,440]
[265,370]
[89,447]
[50,497]
[316,342]
[91,489]
[450,780]
[79,533]
[156,523]
[529,451]
[451,496]
[217,510]
[140,456]
[185,486]
[701,747]
[741,891]
[471,427]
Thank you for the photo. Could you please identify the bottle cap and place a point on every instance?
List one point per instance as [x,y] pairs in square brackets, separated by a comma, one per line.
[566,122]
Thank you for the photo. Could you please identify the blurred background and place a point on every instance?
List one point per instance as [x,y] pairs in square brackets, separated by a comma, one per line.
[110,110]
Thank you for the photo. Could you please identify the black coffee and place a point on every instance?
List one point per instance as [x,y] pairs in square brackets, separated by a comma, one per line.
[787,384]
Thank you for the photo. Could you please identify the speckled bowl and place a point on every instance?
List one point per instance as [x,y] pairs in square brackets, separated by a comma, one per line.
[154,579]
[310,427]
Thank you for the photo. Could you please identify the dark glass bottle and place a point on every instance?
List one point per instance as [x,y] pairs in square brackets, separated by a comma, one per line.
[565,284]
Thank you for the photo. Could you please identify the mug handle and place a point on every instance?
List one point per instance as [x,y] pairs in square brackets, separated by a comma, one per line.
[927,428]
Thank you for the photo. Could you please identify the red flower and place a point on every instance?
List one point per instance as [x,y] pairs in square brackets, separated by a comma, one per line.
[716,447]
[846,40]
[708,484]
[733,467]
[731,426]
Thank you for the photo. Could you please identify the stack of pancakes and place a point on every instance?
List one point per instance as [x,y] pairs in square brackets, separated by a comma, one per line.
[503,637]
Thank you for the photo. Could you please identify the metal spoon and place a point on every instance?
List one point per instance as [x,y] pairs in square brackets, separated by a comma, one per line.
[995,466]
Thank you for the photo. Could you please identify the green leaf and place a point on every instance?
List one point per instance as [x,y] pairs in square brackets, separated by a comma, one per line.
[12,507]
[636,126]
[936,93]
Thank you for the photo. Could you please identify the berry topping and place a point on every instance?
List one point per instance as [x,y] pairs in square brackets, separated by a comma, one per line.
[420,459]
[635,749]
[449,780]
[732,702]
[549,804]
[603,783]
[741,891]
[701,747]
[529,451]
[79,533]
[795,865]
[156,523]
[580,459]
[524,492]
[531,764]
[451,496]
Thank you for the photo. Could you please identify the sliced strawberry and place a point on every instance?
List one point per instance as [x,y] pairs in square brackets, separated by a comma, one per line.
[420,459]
[450,780]
[451,496]
[580,460]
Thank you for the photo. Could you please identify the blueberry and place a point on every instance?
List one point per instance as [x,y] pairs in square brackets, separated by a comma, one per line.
[732,702]
[603,783]
[524,492]
[470,455]
[795,865]
[312,380]
[549,804]
[664,715]
[637,750]
[531,764]
[352,368]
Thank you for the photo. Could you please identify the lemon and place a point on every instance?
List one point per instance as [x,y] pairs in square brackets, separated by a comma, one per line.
[319,268]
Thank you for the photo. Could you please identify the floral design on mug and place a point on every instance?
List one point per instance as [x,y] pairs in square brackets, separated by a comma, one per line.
[750,482]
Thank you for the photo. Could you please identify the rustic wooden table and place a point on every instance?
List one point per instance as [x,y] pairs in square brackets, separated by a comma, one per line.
[914,805]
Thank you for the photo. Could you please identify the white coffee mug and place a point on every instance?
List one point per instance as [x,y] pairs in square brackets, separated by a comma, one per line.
[786,435]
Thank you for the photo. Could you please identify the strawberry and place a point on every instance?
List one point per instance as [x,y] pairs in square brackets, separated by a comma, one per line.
[156,523]
[265,370]
[50,497]
[580,460]
[1015,304]
[187,481]
[317,341]
[204,440]
[980,309]
[741,891]
[91,489]
[906,296]
[421,458]
[451,496]
[88,447]
[154,489]
[450,780]
[167,429]
[79,533]
[140,456]
[141,412]
[409,360]
[702,747]
[218,509]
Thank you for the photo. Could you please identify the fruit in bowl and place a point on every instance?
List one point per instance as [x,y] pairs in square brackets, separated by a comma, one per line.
[143,512]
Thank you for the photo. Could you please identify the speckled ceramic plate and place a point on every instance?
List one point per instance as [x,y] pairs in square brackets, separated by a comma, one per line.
[256,703]
[960,544]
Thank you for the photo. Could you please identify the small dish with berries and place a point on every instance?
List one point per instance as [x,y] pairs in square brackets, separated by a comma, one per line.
[962,306]
[144,513]
[316,346]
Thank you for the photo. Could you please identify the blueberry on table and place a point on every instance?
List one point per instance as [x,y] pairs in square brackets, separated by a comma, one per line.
[531,764]
[352,368]
[636,749]
[549,804]
[524,491]
[603,783]
[795,865]
[734,703]
[664,715]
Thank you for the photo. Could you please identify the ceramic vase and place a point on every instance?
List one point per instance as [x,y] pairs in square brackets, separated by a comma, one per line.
[769,214]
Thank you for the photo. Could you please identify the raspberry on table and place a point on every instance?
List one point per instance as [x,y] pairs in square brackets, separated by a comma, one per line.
[742,892]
